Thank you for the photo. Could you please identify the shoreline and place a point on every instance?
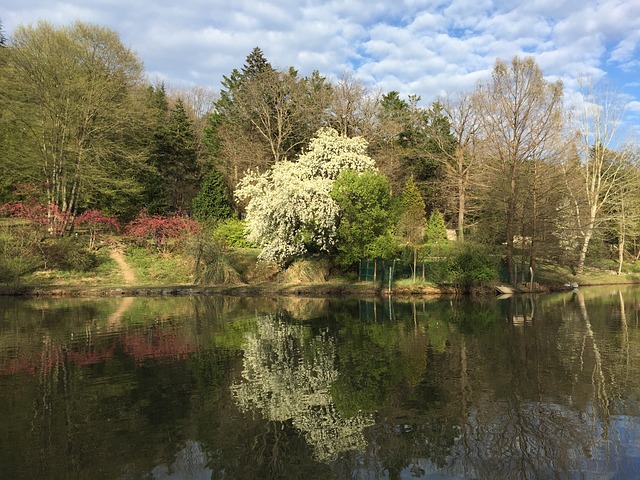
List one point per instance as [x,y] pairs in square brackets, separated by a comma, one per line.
[299,290]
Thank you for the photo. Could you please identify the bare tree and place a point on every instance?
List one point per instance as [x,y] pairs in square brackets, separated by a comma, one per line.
[624,211]
[461,159]
[283,109]
[354,109]
[520,116]
[602,158]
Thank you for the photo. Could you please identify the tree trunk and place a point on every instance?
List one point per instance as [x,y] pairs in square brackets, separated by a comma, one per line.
[585,247]
[588,233]
[461,206]
[621,235]
[375,270]
[621,242]
[534,219]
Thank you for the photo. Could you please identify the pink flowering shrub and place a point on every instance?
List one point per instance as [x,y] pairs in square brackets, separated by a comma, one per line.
[163,232]
[96,222]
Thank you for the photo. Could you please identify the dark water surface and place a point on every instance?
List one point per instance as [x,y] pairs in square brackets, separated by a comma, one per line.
[293,388]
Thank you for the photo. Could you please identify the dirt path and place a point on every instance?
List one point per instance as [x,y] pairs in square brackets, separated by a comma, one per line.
[125,269]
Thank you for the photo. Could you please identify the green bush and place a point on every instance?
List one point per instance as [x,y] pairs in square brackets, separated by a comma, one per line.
[462,265]
[232,232]
[18,255]
[474,267]
[213,201]
[68,254]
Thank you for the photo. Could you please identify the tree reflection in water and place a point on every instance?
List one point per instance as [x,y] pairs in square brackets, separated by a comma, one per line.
[528,387]
[287,376]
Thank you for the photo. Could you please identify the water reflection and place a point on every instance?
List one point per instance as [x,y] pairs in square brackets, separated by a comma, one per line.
[223,387]
[287,376]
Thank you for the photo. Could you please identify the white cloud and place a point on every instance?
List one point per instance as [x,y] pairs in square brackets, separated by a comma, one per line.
[633,106]
[426,47]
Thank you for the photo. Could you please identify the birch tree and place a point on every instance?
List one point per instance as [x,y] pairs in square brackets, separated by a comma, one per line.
[602,160]
[77,91]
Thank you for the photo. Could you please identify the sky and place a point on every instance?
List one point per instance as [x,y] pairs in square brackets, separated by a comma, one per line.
[422,47]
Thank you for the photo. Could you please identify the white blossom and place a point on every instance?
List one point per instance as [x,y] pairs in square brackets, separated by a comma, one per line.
[290,206]
[287,375]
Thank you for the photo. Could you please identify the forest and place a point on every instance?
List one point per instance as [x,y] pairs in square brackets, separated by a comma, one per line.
[493,182]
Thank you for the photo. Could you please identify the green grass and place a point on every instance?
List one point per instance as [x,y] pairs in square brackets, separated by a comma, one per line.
[153,268]
[106,274]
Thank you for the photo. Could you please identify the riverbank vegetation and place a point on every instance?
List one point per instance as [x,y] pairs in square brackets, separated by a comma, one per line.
[282,179]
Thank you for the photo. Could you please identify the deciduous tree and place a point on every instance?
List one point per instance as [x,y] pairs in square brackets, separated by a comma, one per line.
[96,221]
[365,215]
[289,208]
[602,161]
[76,91]
[459,150]
[412,220]
[521,116]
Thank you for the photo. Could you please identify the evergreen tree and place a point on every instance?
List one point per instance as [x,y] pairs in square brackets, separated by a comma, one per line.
[181,170]
[255,64]
[435,230]
[172,180]
[154,198]
[412,219]
[213,201]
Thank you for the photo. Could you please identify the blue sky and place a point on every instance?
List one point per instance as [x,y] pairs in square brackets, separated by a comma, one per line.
[423,47]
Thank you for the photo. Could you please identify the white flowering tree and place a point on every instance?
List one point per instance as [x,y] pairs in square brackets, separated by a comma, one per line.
[287,375]
[289,207]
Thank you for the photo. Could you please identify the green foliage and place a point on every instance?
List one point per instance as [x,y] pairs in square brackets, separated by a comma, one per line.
[436,230]
[233,233]
[384,246]
[17,254]
[364,203]
[213,201]
[255,64]
[463,266]
[412,218]
[474,267]
[423,133]
[74,93]
[170,185]
[68,254]
[290,211]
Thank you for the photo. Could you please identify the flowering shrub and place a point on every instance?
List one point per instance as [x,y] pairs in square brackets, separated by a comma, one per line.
[163,232]
[96,222]
[38,214]
[289,208]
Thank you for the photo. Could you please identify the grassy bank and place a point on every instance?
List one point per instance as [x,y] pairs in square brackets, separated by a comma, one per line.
[155,273]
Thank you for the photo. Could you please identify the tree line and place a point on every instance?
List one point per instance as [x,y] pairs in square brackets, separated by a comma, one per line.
[318,166]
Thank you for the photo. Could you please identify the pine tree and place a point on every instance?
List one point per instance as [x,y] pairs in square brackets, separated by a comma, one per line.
[436,229]
[213,200]
[255,64]
[412,219]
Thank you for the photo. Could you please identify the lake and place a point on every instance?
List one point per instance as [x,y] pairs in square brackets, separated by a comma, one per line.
[216,387]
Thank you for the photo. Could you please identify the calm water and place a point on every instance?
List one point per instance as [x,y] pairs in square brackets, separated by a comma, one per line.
[243,388]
